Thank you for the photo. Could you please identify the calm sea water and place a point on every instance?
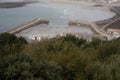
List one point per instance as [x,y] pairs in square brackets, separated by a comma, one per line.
[58,14]
[52,31]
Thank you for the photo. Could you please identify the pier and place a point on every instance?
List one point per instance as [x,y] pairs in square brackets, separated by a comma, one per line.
[32,23]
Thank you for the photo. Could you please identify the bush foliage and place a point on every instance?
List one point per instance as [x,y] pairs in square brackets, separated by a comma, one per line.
[60,58]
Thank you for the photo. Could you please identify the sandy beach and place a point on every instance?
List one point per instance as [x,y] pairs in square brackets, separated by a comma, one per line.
[82,3]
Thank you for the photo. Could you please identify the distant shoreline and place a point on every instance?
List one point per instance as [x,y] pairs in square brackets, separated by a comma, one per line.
[15,4]
[84,3]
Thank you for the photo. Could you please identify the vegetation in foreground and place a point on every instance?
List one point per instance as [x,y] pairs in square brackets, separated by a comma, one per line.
[60,58]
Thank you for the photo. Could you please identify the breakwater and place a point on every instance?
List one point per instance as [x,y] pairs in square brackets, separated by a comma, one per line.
[94,27]
[32,23]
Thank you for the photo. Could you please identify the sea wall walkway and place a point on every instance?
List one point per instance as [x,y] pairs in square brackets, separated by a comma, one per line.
[104,27]
[32,23]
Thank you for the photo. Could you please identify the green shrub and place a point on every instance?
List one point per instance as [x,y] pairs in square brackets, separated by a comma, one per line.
[9,43]
[60,58]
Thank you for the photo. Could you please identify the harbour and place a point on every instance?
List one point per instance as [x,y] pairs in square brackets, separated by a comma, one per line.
[58,14]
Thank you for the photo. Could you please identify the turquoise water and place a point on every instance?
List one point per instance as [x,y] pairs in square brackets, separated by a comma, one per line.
[58,14]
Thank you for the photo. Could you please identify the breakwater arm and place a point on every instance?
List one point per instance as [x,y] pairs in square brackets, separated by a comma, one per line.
[28,25]
[95,27]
